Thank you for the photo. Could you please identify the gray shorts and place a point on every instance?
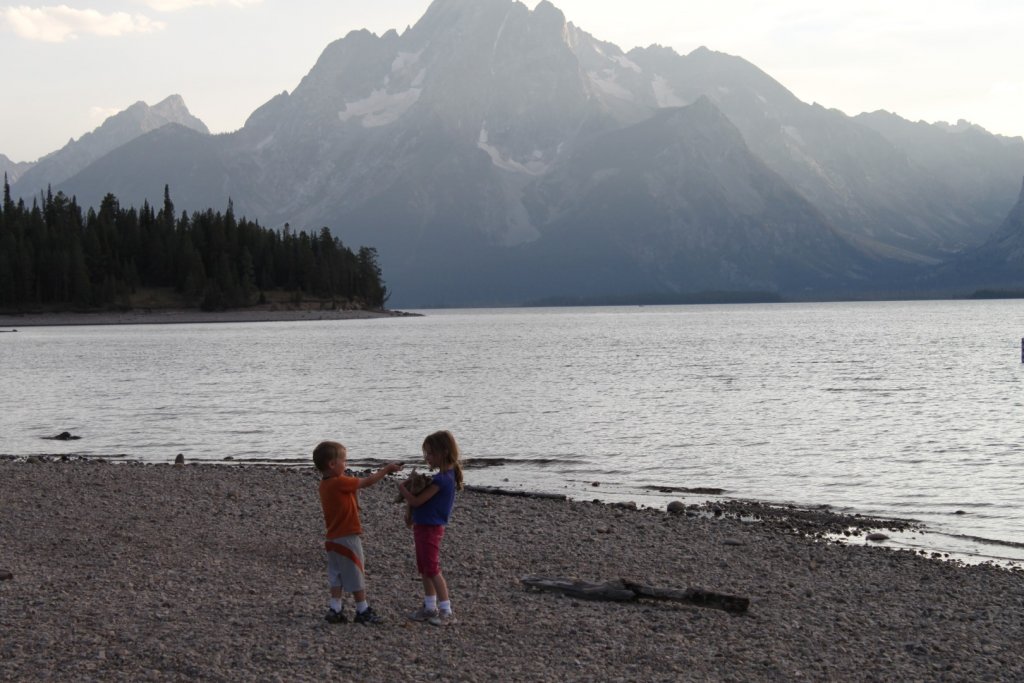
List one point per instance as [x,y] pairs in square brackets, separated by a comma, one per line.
[345,564]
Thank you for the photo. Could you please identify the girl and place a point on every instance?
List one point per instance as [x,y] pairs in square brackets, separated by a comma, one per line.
[428,513]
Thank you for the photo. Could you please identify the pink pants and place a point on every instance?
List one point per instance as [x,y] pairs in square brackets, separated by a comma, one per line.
[428,548]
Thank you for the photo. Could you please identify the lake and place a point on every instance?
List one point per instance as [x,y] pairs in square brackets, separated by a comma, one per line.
[897,409]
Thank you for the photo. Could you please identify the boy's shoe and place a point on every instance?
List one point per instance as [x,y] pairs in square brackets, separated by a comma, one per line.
[442,619]
[423,614]
[368,616]
[335,617]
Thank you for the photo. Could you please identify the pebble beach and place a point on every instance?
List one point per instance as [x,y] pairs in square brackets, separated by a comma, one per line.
[216,572]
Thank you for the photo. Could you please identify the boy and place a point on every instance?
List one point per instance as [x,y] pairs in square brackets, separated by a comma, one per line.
[341,516]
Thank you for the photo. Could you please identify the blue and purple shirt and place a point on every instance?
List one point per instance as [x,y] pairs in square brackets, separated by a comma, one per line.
[437,510]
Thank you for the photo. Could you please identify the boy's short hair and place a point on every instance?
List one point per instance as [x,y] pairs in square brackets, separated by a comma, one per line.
[325,452]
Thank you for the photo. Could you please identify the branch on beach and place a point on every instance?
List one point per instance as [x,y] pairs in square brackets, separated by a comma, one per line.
[622,590]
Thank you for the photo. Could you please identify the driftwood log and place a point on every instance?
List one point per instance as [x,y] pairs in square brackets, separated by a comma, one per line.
[623,590]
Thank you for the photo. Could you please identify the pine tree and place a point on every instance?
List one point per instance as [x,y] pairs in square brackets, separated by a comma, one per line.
[54,255]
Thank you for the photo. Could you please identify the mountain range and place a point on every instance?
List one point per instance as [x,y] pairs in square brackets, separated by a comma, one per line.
[496,155]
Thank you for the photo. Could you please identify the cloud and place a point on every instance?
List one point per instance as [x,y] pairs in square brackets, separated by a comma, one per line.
[177,5]
[101,114]
[61,23]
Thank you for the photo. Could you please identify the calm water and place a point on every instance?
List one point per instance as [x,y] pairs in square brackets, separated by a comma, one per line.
[897,409]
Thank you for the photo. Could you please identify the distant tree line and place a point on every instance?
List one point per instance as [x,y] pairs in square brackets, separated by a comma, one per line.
[663,299]
[54,255]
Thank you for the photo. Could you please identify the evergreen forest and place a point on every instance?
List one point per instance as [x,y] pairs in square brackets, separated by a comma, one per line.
[55,256]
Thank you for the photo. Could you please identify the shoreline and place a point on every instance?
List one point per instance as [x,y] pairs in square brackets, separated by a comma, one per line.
[820,522]
[220,576]
[188,316]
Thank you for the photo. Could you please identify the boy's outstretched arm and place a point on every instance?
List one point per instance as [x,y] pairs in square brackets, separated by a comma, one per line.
[384,471]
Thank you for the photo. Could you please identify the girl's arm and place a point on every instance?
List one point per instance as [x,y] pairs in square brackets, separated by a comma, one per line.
[424,495]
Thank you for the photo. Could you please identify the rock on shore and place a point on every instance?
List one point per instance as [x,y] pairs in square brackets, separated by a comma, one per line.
[156,572]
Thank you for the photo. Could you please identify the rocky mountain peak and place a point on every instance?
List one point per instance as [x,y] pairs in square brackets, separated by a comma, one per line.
[173,106]
[13,169]
[115,131]
[496,138]
[547,13]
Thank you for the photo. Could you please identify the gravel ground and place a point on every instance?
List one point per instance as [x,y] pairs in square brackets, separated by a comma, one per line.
[154,572]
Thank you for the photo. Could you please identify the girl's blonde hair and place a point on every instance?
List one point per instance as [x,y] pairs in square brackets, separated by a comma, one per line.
[443,443]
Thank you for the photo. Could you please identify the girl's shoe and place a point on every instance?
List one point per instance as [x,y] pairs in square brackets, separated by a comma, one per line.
[423,614]
[442,619]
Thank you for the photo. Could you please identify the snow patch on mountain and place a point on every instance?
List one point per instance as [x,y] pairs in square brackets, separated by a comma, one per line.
[627,63]
[381,108]
[664,95]
[567,37]
[519,229]
[794,133]
[536,166]
[606,82]
[497,38]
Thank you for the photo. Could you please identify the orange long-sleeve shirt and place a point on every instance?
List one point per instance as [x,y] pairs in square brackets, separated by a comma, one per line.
[341,506]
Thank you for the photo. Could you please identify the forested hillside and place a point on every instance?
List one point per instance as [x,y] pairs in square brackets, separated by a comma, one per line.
[54,255]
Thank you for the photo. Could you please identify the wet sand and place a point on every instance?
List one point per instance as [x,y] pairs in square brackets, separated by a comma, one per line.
[161,572]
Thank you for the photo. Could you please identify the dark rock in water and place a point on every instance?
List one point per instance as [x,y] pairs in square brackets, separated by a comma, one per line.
[876,536]
[676,506]
[180,459]
[596,483]
[5,575]
[63,436]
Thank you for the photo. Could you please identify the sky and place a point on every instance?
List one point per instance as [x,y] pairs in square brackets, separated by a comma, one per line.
[69,66]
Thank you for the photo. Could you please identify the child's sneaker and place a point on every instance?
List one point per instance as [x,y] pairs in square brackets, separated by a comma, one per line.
[423,614]
[334,617]
[368,616]
[442,619]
